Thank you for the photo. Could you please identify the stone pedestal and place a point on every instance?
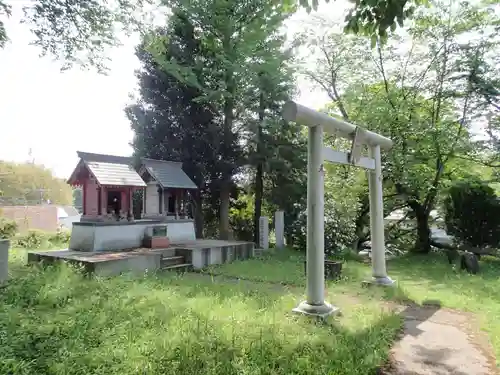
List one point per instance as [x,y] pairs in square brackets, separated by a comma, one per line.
[382,281]
[4,260]
[264,232]
[320,311]
[279,229]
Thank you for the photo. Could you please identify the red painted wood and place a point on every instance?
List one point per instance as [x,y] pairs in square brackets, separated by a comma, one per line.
[84,198]
[160,242]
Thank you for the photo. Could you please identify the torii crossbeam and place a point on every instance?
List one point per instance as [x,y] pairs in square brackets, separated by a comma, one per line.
[319,123]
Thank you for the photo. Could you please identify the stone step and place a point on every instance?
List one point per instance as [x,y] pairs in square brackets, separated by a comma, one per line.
[178,267]
[174,257]
[172,260]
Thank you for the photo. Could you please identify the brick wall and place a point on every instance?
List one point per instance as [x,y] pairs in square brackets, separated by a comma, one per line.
[32,217]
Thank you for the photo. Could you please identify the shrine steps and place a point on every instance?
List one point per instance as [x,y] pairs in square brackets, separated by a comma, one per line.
[175,263]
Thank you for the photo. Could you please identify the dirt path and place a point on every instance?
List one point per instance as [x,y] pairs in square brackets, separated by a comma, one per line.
[439,341]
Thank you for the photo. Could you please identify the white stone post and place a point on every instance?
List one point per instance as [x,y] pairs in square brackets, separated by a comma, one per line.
[264,232]
[379,272]
[279,229]
[315,303]
[143,211]
[4,260]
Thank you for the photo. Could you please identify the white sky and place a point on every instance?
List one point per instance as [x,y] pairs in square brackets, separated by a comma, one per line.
[56,113]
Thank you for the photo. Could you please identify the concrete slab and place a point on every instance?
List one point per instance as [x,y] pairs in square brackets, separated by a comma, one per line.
[198,253]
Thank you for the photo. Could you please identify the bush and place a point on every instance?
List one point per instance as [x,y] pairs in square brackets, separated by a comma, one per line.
[241,218]
[36,239]
[339,233]
[8,228]
[33,239]
[60,237]
[472,214]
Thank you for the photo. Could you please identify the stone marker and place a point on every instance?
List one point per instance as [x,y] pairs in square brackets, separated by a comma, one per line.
[264,232]
[279,229]
[4,260]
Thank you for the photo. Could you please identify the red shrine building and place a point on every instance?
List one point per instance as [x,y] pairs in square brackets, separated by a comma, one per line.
[109,182]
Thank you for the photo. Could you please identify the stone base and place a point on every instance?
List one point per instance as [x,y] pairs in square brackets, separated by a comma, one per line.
[320,311]
[4,260]
[381,281]
[198,254]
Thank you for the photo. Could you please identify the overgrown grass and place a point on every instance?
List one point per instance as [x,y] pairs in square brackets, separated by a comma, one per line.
[419,278]
[56,321]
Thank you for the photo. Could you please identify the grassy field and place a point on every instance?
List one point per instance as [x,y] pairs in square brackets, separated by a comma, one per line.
[420,278]
[56,321]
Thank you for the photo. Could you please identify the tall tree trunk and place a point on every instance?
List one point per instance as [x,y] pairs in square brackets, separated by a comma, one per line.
[225,194]
[227,174]
[198,215]
[361,223]
[423,241]
[259,175]
[259,192]
[225,186]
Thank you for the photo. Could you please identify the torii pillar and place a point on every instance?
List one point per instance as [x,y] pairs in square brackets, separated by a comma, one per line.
[318,123]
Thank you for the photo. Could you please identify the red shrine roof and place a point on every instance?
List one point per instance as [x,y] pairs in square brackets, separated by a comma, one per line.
[107,170]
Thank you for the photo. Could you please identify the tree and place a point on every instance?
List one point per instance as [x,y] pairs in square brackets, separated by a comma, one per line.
[28,184]
[285,186]
[336,62]
[425,99]
[235,33]
[375,18]
[473,214]
[168,122]
[79,31]
[273,86]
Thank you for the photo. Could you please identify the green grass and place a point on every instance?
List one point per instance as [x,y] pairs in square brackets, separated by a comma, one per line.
[56,321]
[420,278]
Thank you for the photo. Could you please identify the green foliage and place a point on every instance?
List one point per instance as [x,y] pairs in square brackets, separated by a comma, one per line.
[56,321]
[33,239]
[37,239]
[5,10]
[27,183]
[80,31]
[8,228]
[472,214]
[77,31]
[62,236]
[374,18]
[241,217]
[192,135]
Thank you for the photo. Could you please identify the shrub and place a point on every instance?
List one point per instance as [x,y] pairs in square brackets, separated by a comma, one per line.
[472,214]
[241,218]
[8,228]
[62,236]
[339,233]
[33,239]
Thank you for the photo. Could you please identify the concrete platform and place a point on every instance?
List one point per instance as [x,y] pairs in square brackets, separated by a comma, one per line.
[90,236]
[196,254]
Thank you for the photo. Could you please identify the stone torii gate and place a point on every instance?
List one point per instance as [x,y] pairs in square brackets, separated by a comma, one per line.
[316,154]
